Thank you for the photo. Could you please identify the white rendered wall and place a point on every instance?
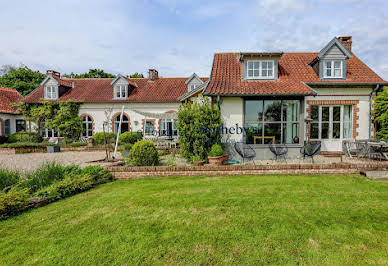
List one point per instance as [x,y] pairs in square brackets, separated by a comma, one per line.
[232,113]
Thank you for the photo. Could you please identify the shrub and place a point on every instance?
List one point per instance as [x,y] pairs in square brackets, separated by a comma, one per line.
[216,150]
[131,137]
[144,153]
[98,138]
[44,176]
[98,174]
[25,137]
[22,145]
[8,178]
[171,160]
[78,144]
[196,158]
[128,146]
[13,202]
[381,114]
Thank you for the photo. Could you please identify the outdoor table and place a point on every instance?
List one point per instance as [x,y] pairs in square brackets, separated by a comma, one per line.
[380,147]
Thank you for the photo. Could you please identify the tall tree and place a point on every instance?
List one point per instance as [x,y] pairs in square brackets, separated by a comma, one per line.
[93,73]
[22,79]
[136,75]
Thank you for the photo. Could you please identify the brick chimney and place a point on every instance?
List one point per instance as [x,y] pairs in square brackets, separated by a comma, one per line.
[346,41]
[152,74]
[54,73]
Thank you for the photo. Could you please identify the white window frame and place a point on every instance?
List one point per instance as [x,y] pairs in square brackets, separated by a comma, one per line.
[51,92]
[332,69]
[145,128]
[122,91]
[193,86]
[163,127]
[331,122]
[260,69]
[88,123]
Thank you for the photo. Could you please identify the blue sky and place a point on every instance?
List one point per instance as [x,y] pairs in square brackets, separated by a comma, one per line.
[179,37]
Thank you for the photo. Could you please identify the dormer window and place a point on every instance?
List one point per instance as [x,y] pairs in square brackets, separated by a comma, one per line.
[121,92]
[51,93]
[193,86]
[260,69]
[333,69]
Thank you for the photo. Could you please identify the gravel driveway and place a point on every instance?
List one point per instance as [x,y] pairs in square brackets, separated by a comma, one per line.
[31,161]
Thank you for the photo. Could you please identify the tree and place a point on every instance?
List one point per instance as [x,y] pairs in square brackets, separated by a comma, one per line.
[199,126]
[381,114]
[22,79]
[136,75]
[93,73]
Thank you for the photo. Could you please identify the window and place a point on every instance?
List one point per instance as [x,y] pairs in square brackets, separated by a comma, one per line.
[20,125]
[51,92]
[124,124]
[7,127]
[331,122]
[333,69]
[87,126]
[168,127]
[46,132]
[148,127]
[274,121]
[260,69]
[192,87]
[120,91]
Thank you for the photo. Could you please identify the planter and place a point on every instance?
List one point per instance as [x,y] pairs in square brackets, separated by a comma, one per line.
[199,163]
[52,149]
[218,160]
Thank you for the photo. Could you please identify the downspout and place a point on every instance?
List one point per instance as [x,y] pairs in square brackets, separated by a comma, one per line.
[370,109]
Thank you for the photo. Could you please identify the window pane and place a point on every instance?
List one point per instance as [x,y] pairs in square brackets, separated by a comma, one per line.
[291,110]
[149,127]
[272,110]
[314,134]
[270,64]
[263,73]
[325,131]
[347,113]
[250,73]
[328,65]
[325,113]
[328,73]
[254,134]
[264,65]
[123,91]
[290,132]
[250,65]
[256,73]
[84,133]
[253,111]
[315,112]
[272,133]
[337,64]
[270,74]
[337,113]
[337,72]
[256,65]
[347,130]
[336,130]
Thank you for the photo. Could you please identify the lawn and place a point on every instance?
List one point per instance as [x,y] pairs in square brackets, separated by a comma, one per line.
[208,220]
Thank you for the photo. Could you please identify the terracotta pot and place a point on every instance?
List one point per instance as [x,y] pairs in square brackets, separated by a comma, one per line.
[218,160]
[199,163]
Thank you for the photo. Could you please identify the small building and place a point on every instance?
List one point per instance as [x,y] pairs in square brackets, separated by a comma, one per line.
[10,120]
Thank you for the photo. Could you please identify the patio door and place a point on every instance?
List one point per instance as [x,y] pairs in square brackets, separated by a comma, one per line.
[169,128]
[330,124]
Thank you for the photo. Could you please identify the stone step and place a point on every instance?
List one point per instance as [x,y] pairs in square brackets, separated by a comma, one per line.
[376,175]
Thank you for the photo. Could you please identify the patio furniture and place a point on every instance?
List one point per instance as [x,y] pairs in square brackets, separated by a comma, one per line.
[245,151]
[351,149]
[378,149]
[279,150]
[310,150]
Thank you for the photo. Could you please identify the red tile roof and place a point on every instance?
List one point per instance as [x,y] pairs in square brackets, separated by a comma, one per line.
[226,76]
[100,90]
[7,97]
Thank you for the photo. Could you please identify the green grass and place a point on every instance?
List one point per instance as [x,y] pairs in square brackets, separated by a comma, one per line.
[208,220]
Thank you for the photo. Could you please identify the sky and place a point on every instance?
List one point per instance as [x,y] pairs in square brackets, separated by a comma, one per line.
[179,37]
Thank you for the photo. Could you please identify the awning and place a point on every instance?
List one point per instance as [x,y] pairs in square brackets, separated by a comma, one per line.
[157,115]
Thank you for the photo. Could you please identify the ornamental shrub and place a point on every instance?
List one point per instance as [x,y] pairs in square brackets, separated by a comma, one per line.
[199,126]
[25,137]
[8,178]
[216,150]
[130,137]
[144,153]
[78,144]
[22,145]
[98,138]
[13,202]
[98,174]
[381,114]
[44,176]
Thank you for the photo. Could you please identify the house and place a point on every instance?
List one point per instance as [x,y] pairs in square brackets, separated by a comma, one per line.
[289,98]
[150,104]
[10,120]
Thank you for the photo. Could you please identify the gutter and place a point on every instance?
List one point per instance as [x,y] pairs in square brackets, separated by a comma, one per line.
[346,84]
[315,92]
[370,109]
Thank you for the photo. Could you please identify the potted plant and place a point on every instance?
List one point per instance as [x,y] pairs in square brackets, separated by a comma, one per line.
[51,148]
[217,155]
[197,160]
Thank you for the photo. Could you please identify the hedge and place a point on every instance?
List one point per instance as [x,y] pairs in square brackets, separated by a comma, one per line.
[24,137]
[98,138]
[22,145]
[130,137]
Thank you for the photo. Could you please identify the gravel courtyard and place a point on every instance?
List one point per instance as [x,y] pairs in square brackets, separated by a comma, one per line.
[31,161]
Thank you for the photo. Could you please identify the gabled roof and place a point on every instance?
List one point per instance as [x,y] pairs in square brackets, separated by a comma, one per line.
[194,75]
[191,93]
[337,42]
[101,90]
[7,98]
[294,71]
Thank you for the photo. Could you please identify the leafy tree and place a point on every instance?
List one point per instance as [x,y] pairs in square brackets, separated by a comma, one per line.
[381,114]
[199,126]
[26,109]
[22,79]
[93,73]
[136,75]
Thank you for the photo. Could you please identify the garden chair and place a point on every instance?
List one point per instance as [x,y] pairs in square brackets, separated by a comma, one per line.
[245,151]
[279,150]
[310,150]
[351,148]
